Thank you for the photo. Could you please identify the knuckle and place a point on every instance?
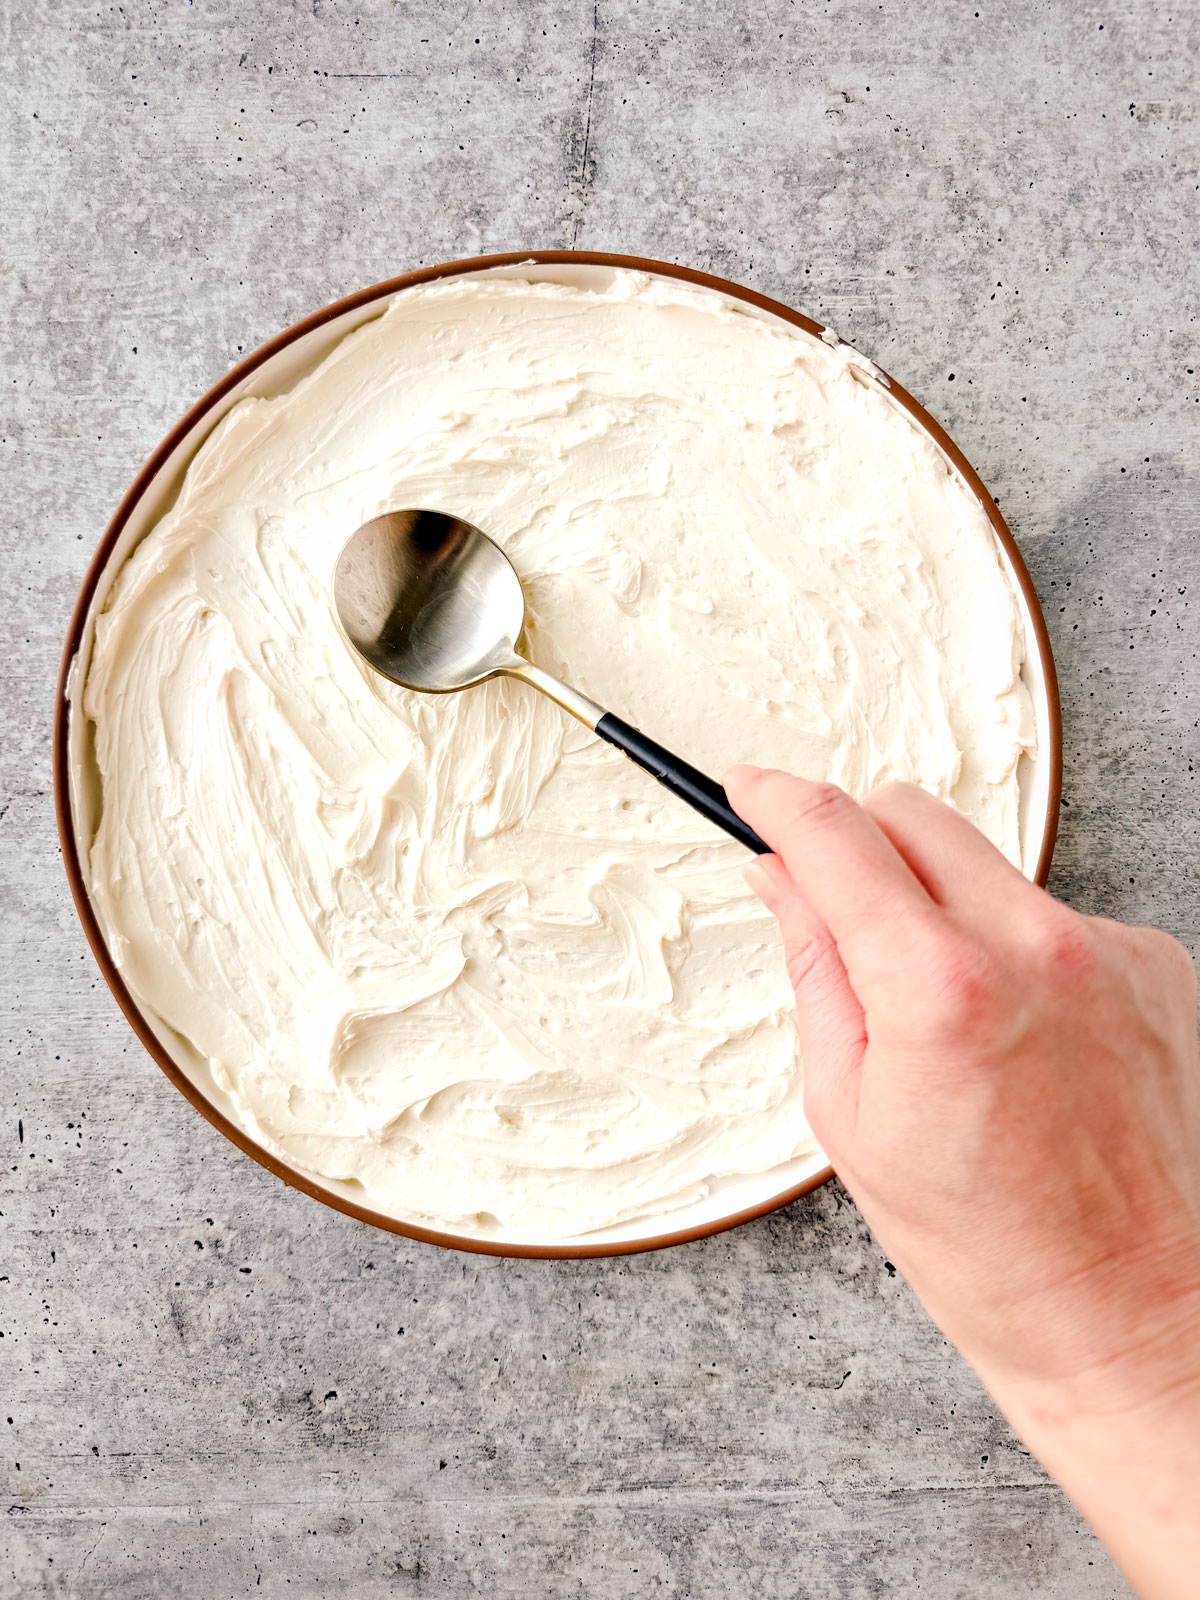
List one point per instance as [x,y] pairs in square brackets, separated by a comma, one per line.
[1186,967]
[962,989]
[1061,942]
[816,804]
[1169,954]
[806,955]
[890,796]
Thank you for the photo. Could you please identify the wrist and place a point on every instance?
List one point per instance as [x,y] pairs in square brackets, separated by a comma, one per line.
[1110,1413]
[1132,1472]
[1122,1338]
[1123,1441]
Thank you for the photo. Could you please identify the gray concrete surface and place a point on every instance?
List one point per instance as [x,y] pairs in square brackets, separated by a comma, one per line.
[209,1385]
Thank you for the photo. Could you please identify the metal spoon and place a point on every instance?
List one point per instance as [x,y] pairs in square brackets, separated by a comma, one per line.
[430,602]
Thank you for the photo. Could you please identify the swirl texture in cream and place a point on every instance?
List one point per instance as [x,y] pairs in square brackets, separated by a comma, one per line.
[455,949]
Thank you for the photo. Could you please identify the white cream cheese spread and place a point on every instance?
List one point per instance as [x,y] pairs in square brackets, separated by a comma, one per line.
[456,948]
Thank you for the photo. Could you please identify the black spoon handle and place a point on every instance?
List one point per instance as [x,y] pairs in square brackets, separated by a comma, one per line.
[700,792]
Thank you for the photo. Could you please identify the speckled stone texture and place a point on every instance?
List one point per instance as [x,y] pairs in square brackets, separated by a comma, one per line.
[210,1385]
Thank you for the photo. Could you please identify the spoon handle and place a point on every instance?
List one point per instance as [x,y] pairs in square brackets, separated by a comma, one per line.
[701,792]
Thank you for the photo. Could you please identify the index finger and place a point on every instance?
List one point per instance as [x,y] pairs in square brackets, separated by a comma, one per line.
[845,865]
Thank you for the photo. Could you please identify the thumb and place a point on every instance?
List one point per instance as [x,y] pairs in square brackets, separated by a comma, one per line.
[829,1018]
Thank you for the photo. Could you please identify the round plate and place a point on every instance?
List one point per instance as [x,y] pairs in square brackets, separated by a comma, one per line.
[276,367]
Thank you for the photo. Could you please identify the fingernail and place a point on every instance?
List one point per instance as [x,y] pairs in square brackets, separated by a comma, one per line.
[760,882]
[742,773]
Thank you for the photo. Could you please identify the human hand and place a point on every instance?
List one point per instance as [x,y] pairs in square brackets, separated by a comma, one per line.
[1011,1093]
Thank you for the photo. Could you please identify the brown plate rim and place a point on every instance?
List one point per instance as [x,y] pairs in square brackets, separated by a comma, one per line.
[99,561]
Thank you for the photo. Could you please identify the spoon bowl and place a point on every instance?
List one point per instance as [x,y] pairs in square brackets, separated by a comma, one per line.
[432,603]
[429,600]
